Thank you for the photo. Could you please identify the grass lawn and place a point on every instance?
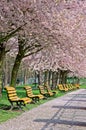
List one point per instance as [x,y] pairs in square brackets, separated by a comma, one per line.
[6,114]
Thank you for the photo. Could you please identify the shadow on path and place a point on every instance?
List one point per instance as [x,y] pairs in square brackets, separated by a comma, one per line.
[58,121]
[70,107]
[60,111]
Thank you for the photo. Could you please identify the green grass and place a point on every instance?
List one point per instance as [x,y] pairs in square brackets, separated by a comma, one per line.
[83,86]
[6,114]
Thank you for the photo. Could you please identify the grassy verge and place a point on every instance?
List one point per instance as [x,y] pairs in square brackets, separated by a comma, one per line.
[6,114]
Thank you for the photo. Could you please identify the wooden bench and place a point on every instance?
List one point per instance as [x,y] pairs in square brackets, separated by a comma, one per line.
[30,94]
[51,93]
[62,88]
[43,92]
[13,98]
[77,86]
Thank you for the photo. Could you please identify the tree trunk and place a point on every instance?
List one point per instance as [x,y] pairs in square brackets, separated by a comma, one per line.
[0,79]
[45,77]
[78,80]
[54,80]
[63,76]
[5,73]
[25,77]
[35,79]
[38,76]
[2,56]
[49,78]
[15,70]
[59,77]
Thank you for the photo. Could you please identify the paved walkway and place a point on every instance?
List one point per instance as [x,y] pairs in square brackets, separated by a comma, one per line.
[63,113]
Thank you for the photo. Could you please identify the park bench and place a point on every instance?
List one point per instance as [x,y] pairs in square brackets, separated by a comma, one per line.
[52,93]
[66,87]
[62,88]
[13,98]
[43,92]
[30,94]
[77,85]
[72,86]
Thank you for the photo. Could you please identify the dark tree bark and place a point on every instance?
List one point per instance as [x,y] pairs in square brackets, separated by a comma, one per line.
[49,77]
[45,77]
[25,76]
[2,56]
[54,80]
[24,50]
[63,76]
[15,70]
[38,76]
[35,79]
[4,37]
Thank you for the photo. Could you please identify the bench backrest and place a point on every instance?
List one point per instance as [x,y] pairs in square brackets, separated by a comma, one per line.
[48,88]
[11,93]
[28,91]
[41,88]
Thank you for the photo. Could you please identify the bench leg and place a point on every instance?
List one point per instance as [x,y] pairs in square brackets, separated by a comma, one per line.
[18,104]
[11,106]
[35,99]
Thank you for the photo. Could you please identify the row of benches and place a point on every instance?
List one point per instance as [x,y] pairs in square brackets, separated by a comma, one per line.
[67,87]
[31,98]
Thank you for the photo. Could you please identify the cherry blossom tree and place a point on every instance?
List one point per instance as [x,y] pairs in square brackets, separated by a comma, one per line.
[5,34]
[31,38]
[66,23]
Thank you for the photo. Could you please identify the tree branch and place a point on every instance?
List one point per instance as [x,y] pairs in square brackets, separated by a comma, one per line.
[34,52]
[8,36]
